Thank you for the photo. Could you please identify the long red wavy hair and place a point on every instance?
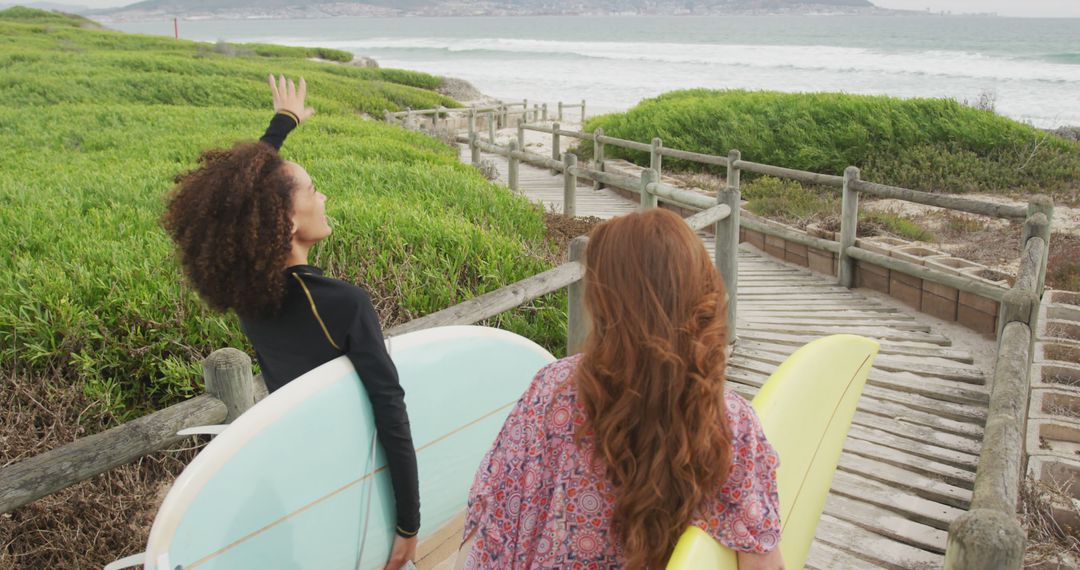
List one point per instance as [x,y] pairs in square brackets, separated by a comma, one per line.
[651,378]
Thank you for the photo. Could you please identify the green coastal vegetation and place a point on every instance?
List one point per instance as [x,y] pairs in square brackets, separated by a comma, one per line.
[933,145]
[95,125]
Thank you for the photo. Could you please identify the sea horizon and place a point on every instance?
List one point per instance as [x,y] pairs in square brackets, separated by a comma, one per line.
[1029,69]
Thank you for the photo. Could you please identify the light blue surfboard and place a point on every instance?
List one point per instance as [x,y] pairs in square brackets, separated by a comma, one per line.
[286,484]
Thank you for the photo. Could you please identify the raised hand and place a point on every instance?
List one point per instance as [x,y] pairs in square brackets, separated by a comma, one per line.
[289,99]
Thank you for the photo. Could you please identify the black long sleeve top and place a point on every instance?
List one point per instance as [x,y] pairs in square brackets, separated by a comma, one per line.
[320,319]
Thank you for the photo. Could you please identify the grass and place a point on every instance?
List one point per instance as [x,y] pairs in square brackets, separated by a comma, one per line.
[936,145]
[96,124]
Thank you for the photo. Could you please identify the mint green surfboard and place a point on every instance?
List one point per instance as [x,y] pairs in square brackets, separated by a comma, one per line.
[286,485]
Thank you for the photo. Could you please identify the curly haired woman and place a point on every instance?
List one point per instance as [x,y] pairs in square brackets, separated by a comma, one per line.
[611,454]
[243,222]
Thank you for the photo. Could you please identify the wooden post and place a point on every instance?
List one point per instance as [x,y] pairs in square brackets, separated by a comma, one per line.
[491,127]
[512,168]
[598,155]
[727,239]
[648,199]
[472,123]
[409,120]
[1040,205]
[536,111]
[543,112]
[524,112]
[560,112]
[387,116]
[474,149]
[849,222]
[655,158]
[227,373]
[577,320]
[984,539]
[582,112]
[435,120]
[521,136]
[569,185]
[500,113]
[556,153]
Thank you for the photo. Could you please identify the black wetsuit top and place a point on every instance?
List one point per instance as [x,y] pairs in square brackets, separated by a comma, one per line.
[320,319]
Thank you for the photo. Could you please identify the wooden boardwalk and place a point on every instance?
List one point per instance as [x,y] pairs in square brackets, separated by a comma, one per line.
[909,462]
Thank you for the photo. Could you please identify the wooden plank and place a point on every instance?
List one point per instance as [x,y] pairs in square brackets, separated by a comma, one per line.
[962,412]
[804,321]
[910,507]
[887,347]
[881,333]
[886,523]
[858,541]
[953,467]
[822,556]
[892,415]
[442,544]
[86,457]
[764,342]
[906,480]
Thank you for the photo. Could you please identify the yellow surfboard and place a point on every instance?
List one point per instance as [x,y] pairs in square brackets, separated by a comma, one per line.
[805,408]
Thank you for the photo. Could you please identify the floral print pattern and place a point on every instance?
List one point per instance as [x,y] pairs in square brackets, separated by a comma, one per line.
[540,501]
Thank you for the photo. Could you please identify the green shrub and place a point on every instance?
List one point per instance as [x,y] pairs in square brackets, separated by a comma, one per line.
[925,144]
[896,224]
[788,201]
[96,125]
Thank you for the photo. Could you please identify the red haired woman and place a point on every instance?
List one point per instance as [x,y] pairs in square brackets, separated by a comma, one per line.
[611,454]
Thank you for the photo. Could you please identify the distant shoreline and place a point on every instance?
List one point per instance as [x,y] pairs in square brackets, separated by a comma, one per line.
[339,10]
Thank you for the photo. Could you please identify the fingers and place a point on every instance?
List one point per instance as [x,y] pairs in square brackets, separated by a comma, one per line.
[282,89]
[273,88]
[292,91]
[303,90]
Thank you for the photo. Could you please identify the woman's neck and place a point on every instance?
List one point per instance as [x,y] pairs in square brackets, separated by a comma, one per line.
[298,255]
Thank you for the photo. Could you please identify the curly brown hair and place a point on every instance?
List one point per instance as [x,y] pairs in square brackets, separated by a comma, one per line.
[230,219]
[651,379]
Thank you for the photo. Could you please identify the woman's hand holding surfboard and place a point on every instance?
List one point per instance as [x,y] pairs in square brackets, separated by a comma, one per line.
[404,550]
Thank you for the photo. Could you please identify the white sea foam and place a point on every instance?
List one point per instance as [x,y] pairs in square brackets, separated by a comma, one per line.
[802,57]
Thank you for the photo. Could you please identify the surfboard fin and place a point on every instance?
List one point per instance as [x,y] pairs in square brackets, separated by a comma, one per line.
[127,562]
[203,430]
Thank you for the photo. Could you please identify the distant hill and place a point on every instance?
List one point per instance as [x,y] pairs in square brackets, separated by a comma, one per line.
[315,8]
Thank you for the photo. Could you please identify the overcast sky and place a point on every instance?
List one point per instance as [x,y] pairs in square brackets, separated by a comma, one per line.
[1028,8]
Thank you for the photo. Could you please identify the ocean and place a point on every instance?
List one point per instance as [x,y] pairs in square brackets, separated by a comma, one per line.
[1030,68]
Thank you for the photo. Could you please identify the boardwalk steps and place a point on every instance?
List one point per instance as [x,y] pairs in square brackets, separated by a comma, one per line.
[909,462]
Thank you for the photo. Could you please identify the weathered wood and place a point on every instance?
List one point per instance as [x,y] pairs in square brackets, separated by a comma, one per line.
[953,467]
[490,304]
[962,283]
[647,199]
[655,158]
[577,318]
[607,179]
[569,161]
[914,508]
[513,166]
[985,539]
[705,218]
[997,482]
[947,201]
[726,238]
[849,222]
[878,549]
[906,480]
[792,174]
[823,556]
[683,197]
[556,147]
[623,143]
[227,374]
[598,156]
[49,472]
[1040,204]
[884,523]
[694,156]
[790,235]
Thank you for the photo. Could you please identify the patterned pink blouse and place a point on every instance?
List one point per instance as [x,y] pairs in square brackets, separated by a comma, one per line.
[539,502]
